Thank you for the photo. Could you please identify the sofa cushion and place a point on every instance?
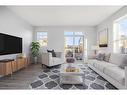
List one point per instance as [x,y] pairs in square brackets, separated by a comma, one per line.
[116,73]
[99,66]
[119,59]
[92,61]
[102,64]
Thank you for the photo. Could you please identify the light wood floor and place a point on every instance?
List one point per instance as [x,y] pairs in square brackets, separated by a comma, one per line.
[22,78]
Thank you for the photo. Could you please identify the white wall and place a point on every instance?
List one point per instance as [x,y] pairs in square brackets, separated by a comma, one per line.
[108,23]
[56,35]
[13,25]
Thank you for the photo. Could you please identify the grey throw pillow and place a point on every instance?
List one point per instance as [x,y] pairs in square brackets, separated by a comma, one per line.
[100,57]
[53,53]
[106,57]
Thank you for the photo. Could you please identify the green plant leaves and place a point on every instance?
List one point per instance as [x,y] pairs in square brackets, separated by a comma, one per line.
[35,46]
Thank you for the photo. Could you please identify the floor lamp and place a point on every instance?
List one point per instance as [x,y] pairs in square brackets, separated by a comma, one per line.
[95,49]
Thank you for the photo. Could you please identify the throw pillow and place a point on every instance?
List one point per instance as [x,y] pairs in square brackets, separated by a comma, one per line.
[106,57]
[100,57]
[49,51]
[53,53]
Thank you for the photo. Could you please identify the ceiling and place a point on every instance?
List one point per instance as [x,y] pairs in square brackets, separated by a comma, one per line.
[64,15]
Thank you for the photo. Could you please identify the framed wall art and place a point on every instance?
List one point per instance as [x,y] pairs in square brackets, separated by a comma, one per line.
[103,38]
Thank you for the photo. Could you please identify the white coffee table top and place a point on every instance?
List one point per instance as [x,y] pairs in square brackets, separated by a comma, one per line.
[64,66]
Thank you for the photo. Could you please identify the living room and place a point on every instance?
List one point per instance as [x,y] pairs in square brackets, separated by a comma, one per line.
[78,39]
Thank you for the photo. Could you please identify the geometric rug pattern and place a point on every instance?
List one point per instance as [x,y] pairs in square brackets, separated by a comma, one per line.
[49,79]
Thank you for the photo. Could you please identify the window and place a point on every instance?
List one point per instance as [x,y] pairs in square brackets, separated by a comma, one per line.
[73,33]
[68,33]
[74,45]
[78,33]
[120,36]
[42,38]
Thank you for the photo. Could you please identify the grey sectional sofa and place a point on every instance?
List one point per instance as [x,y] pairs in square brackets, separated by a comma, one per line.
[114,70]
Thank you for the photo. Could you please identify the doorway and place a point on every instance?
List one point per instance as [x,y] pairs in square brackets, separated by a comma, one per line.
[74,45]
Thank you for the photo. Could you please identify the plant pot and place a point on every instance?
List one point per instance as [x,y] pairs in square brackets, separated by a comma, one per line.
[35,60]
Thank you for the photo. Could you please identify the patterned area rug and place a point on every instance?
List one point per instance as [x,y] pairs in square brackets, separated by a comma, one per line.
[49,79]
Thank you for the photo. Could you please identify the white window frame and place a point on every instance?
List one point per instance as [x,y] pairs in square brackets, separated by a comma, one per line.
[43,35]
[116,35]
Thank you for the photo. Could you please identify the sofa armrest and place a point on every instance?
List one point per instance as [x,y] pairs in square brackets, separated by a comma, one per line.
[126,77]
[46,55]
[46,58]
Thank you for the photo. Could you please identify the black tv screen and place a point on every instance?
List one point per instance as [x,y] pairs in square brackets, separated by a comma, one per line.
[10,44]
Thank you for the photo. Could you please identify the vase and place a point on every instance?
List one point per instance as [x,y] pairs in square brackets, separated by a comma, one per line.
[35,60]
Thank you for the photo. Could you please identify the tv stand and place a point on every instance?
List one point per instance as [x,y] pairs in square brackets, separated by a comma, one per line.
[8,66]
[6,60]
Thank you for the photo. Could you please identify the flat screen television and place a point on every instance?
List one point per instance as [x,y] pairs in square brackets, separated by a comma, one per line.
[10,44]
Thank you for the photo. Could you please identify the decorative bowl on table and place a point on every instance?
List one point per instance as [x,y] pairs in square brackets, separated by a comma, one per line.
[71,69]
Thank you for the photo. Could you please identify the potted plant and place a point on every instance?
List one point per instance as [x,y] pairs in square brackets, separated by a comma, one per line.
[35,46]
